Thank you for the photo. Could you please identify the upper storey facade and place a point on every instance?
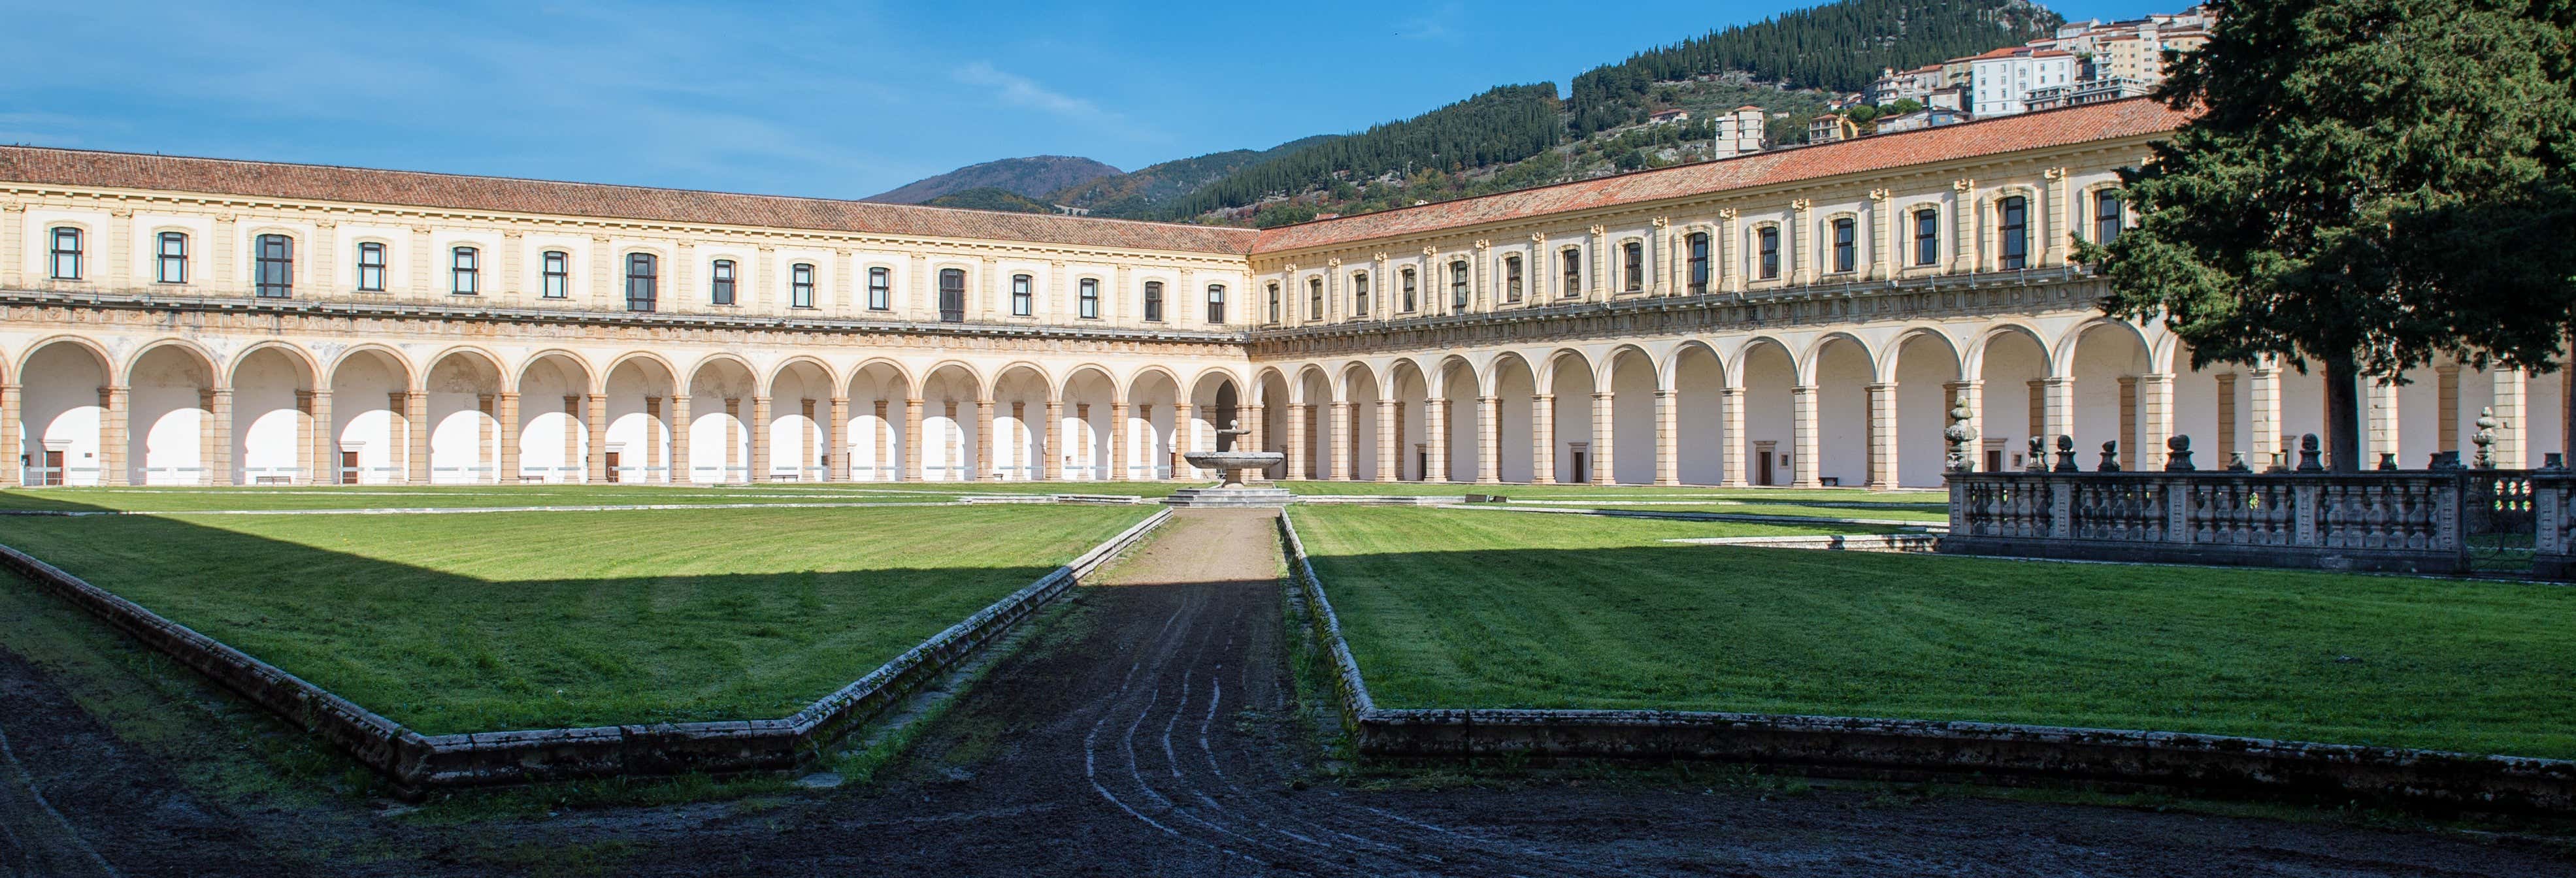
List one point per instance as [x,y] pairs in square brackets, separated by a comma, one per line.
[1888,214]
[122,226]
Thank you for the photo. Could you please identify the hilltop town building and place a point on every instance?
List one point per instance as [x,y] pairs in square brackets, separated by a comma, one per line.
[1794,317]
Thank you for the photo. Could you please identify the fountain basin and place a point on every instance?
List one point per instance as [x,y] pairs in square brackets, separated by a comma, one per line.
[1232,492]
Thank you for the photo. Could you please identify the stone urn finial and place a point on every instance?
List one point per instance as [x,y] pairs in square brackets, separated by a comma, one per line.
[2178,454]
[2110,457]
[2486,437]
[2038,455]
[1960,433]
[2066,455]
[2311,460]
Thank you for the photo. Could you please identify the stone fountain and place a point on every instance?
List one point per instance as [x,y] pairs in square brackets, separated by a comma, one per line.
[1231,466]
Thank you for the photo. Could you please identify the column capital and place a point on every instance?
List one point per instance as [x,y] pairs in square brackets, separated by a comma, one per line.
[1603,394]
[1964,185]
[2054,173]
[1482,244]
[1802,205]
[1802,389]
[1727,213]
[1880,386]
[1661,222]
[1881,194]
[840,400]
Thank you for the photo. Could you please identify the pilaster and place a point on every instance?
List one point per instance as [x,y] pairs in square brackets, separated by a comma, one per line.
[2265,452]
[506,413]
[1963,232]
[683,469]
[1543,439]
[1804,438]
[1051,452]
[1296,442]
[2510,386]
[2155,419]
[1800,241]
[983,441]
[1731,439]
[1882,437]
[1390,456]
[1435,422]
[1341,439]
[836,433]
[112,452]
[415,407]
[1604,439]
[759,428]
[909,469]
[1118,428]
[1668,463]
[1489,440]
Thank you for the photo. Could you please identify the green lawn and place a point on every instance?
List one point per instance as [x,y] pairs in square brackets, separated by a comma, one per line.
[205,499]
[460,623]
[1622,492]
[1447,608]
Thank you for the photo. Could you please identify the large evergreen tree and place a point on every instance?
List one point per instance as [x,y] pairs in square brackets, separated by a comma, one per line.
[2369,183]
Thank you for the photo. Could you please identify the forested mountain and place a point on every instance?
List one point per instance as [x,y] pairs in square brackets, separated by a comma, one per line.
[991,198]
[1033,177]
[1503,125]
[1522,135]
[1838,46]
[1144,191]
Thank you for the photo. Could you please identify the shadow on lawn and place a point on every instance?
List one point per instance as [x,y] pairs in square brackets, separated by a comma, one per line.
[444,652]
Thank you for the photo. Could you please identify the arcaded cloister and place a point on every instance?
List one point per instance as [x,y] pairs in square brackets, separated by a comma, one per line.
[1801,317]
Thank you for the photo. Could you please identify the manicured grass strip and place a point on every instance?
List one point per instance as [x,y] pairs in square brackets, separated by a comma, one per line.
[1448,608]
[201,499]
[1621,492]
[532,620]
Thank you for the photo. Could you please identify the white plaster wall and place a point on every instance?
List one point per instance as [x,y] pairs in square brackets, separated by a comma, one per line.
[1701,419]
[1633,416]
[1842,414]
[1767,378]
[1922,412]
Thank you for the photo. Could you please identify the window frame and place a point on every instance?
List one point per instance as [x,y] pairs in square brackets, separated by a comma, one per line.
[371,275]
[952,293]
[1632,262]
[880,288]
[1412,290]
[1766,252]
[1359,294]
[1024,297]
[464,271]
[1569,272]
[58,258]
[1459,293]
[2012,233]
[1698,242]
[554,275]
[1927,236]
[1216,304]
[2108,228]
[1153,297]
[1843,244]
[1512,278]
[282,263]
[168,267]
[1087,298]
[722,283]
[1274,303]
[800,285]
[1315,298]
[648,281]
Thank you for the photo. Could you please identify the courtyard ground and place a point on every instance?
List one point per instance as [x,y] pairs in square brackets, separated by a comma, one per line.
[510,620]
[1153,726]
[1451,608]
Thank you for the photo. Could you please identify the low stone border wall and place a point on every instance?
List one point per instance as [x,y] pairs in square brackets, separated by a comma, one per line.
[1914,543]
[1747,517]
[418,763]
[1922,748]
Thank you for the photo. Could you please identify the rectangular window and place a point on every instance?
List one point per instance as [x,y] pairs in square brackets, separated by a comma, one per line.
[1024,300]
[371,267]
[1409,302]
[1314,298]
[1512,279]
[1216,305]
[1699,263]
[1846,248]
[643,281]
[2106,217]
[1359,294]
[1632,263]
[1767,244]
[1570,265]
[720,282]
[170,262]
[1090,299]
[1153,301]
[1927,236]
[952,295]
[880,289]
[557,269]
[67,253]
[1274,303]
[275,273]
[800,285]
[464,267]
[2013,230]
[1458,287]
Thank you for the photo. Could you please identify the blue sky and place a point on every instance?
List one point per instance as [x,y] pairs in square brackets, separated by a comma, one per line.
[835,100]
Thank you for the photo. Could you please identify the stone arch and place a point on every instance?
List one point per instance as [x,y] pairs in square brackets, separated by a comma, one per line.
[641,394]
[64,387]
[1696,374]
[720,388]
[1766,370]
[462,385]
[1574,430]
[1020,393]
[1632,377]
[831,376]
[2105,362]
[1840,369]
[1513,385]
[2011,362]
[1457,385]
[797,437]
[876,430]
[949,422]
[1150,430]
[1808,359]
[1972,360]
[372,425]
[1088,397]
[170,409]
[1924,365]
[1409,385]
[2062,354]
[1360,391]
[553,421]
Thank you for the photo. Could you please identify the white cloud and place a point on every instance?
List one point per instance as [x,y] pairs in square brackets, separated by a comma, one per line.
[1021,91]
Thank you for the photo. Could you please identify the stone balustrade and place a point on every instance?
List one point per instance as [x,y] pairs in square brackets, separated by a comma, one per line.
[2444,520]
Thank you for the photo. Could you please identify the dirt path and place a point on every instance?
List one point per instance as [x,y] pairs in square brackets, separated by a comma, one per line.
[1150,733]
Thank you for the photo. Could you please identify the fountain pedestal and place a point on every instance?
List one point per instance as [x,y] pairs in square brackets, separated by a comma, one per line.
[1233,493]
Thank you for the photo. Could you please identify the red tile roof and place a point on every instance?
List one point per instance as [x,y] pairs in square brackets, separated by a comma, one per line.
[2053,128]
[71,167]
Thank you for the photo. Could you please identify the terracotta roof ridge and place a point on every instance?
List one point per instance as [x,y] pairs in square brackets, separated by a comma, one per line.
[631,187]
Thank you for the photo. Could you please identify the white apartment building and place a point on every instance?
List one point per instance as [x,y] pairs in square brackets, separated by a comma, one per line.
[2000,82]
